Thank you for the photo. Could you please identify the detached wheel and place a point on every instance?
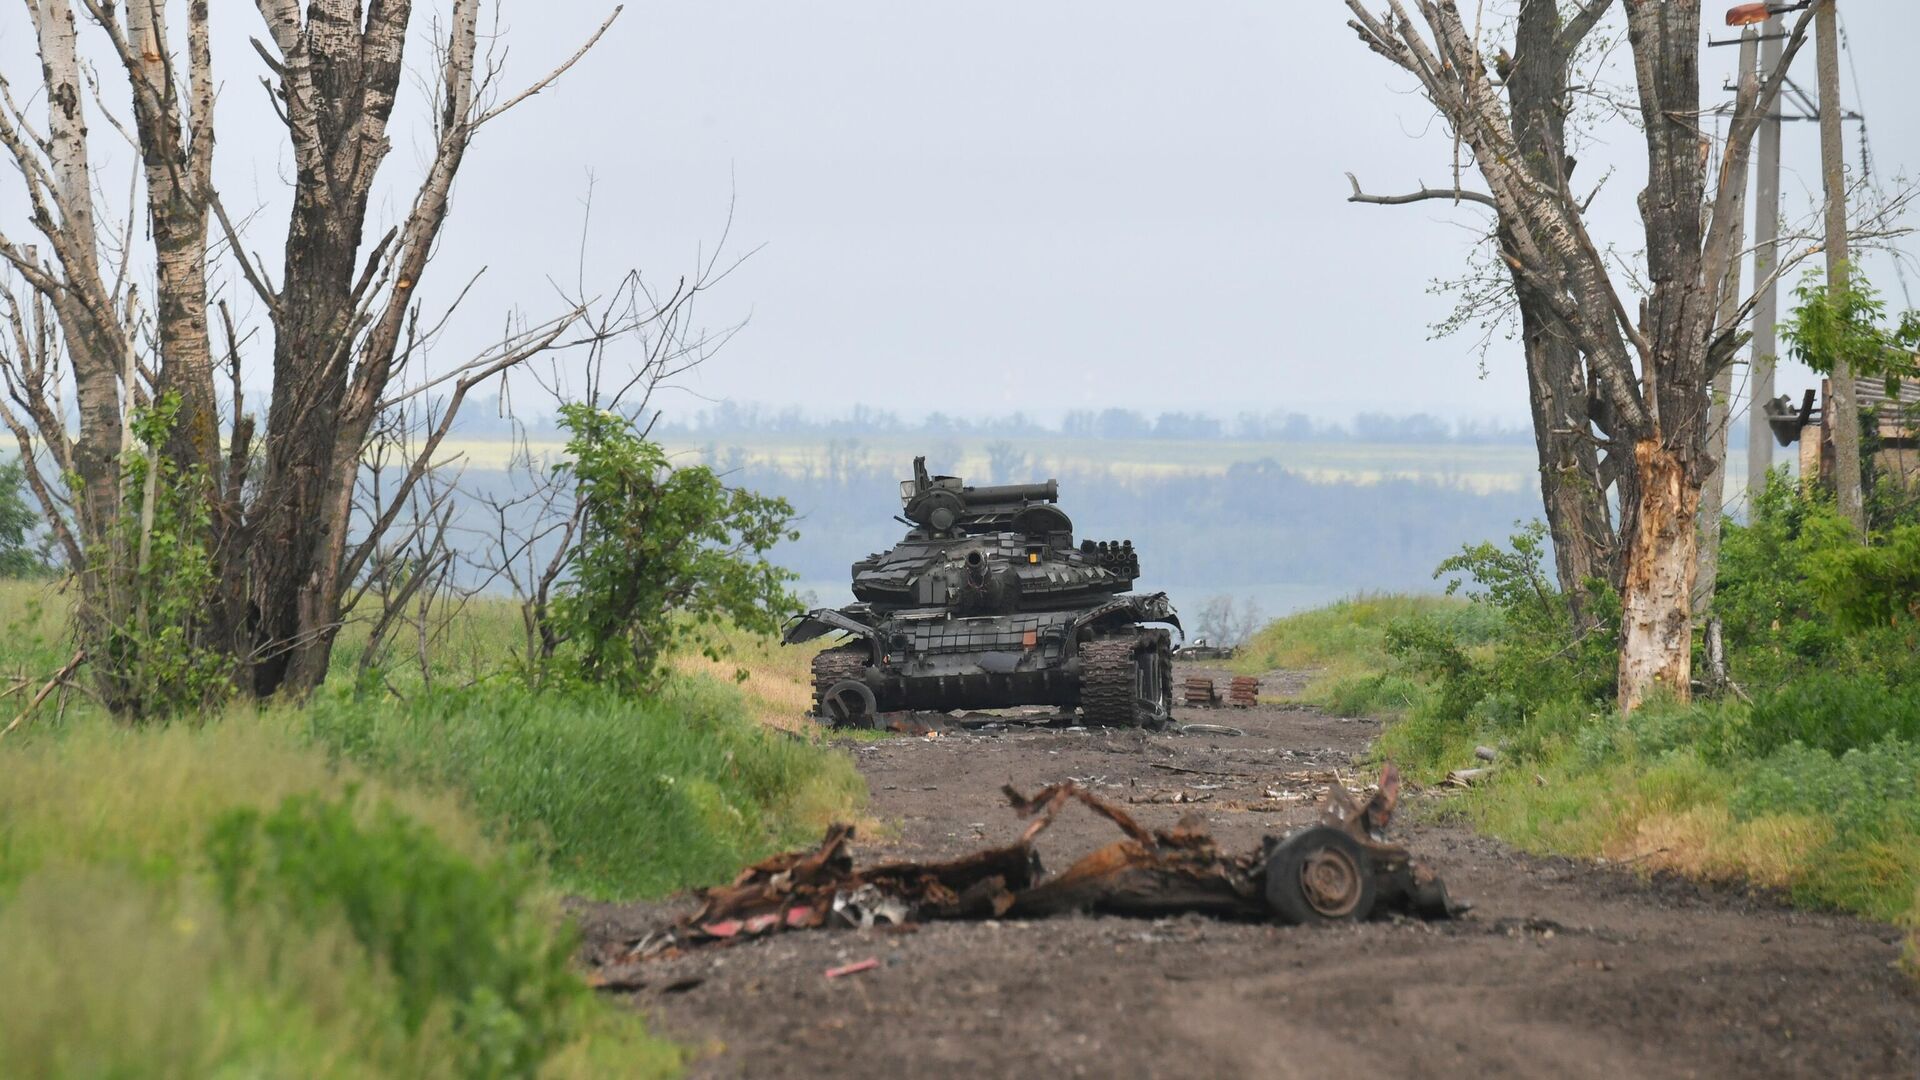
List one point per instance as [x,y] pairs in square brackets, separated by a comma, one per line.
[1321,875]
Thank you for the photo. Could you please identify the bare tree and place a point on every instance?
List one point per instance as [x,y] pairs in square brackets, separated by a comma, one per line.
[344,323]
[1649,371]
[1574,476]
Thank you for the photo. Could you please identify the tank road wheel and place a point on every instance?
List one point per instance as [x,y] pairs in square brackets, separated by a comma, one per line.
[1126,682]
[850,703]
[1321,875]
[831,667]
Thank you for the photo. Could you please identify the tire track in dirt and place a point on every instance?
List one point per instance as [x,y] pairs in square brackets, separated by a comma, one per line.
[1562,969]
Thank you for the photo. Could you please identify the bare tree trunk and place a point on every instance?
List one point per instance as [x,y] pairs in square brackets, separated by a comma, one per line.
[1656,623]
[338,84]
[1571,487]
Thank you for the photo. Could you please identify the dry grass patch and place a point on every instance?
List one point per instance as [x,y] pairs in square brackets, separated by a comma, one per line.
[774,697]
[1708,844]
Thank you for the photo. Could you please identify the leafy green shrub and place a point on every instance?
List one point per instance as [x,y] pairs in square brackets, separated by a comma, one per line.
[1537,654]
[1861,788]
[1799,595]
[20,555]
[1717,730]
[1834,713]
[662,554]
[624,796]
[1872,586]
[1371,695]
[458,937]
[150,642]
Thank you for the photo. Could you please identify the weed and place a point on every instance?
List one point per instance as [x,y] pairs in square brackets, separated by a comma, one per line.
[462,939]
[625,797]
[119,958]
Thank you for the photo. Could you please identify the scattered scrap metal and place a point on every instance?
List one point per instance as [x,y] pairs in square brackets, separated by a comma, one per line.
[1243,692]
[1199,692]
[1342,869]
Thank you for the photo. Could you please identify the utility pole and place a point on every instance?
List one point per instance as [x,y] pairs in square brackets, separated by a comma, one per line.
[1843,409]
[1713,494]
[1766,308]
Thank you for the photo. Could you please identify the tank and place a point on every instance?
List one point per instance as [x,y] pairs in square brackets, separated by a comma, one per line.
[989,603]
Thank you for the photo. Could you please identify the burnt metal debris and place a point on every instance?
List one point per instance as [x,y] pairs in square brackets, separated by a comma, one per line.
[1339,870]
[1200,650]
[988,603]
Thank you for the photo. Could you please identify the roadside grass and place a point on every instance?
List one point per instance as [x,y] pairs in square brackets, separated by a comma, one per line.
[118,955]
[1707,790]
[406,838]
[624,797]
[1344,646]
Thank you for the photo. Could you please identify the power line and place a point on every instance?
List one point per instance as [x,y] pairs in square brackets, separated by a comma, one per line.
[1866,157]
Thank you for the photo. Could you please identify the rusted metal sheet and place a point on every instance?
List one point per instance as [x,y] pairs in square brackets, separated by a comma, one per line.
[1341,869]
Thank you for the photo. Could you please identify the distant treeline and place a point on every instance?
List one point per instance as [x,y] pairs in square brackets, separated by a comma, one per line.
[1255,524]
[732,419]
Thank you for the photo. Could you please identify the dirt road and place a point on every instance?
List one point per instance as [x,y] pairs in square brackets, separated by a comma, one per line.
[1561,969]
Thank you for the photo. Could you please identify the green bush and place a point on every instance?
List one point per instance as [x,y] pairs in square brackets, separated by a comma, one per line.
[458,937]
[1799,595]
[1525,652]
[1860,789]
[625,797]
[1873,586]
[1834,713]
[663,557]
[1372,695]
[1871,797]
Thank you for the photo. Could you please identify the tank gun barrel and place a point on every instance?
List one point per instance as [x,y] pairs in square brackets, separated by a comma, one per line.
[1011,493]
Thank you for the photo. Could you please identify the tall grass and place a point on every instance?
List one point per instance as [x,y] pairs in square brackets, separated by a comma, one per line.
[625,798]
[118,957]
[384,898]
[1344,648]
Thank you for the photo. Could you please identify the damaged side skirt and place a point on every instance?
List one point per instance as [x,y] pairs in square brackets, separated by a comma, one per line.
[1339,870]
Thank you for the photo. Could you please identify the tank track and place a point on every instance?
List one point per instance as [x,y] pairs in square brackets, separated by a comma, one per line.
[832,665]
[1106,682]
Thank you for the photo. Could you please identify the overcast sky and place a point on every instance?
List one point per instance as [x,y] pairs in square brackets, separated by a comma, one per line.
[994,206]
